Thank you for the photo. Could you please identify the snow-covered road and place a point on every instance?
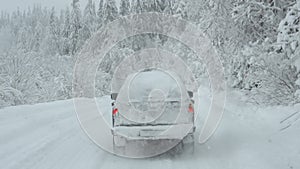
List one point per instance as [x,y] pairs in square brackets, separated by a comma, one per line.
[48,135]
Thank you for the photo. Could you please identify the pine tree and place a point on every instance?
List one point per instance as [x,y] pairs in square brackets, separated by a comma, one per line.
[138,7]
[100,14]
[169,9]
[66,33]
[124,7]
[54,34]
[181,9]
[76,26]
[162,5]
[89,26]
[90,15]
[155,6]
[110,11]
[146,6]
[38,37]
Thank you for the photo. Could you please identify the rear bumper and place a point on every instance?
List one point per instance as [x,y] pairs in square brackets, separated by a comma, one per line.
[124,134]
[144,141]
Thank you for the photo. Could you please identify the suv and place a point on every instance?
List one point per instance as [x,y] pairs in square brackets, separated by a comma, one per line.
[152,110]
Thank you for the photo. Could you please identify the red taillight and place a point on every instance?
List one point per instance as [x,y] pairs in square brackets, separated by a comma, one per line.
[115,111]
[191,108]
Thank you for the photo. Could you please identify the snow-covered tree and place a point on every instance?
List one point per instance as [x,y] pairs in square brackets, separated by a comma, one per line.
[271,79]
[90,16]
[258,19]
[137,7]
[66,33]
[180,9]
[53,38]
[89,21]
[156,6]
[110,11]
[288,43]
[38,37]
[124,7]
[170,7]
[289,29]
[76,25]
[17,70]
[100,14]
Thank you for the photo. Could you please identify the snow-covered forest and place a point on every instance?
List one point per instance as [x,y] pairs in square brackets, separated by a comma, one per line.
[258,41]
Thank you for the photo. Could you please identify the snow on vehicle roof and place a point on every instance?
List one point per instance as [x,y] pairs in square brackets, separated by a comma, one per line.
[159,84]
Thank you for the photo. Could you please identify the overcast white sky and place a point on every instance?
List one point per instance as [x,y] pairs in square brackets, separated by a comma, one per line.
[12,5]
